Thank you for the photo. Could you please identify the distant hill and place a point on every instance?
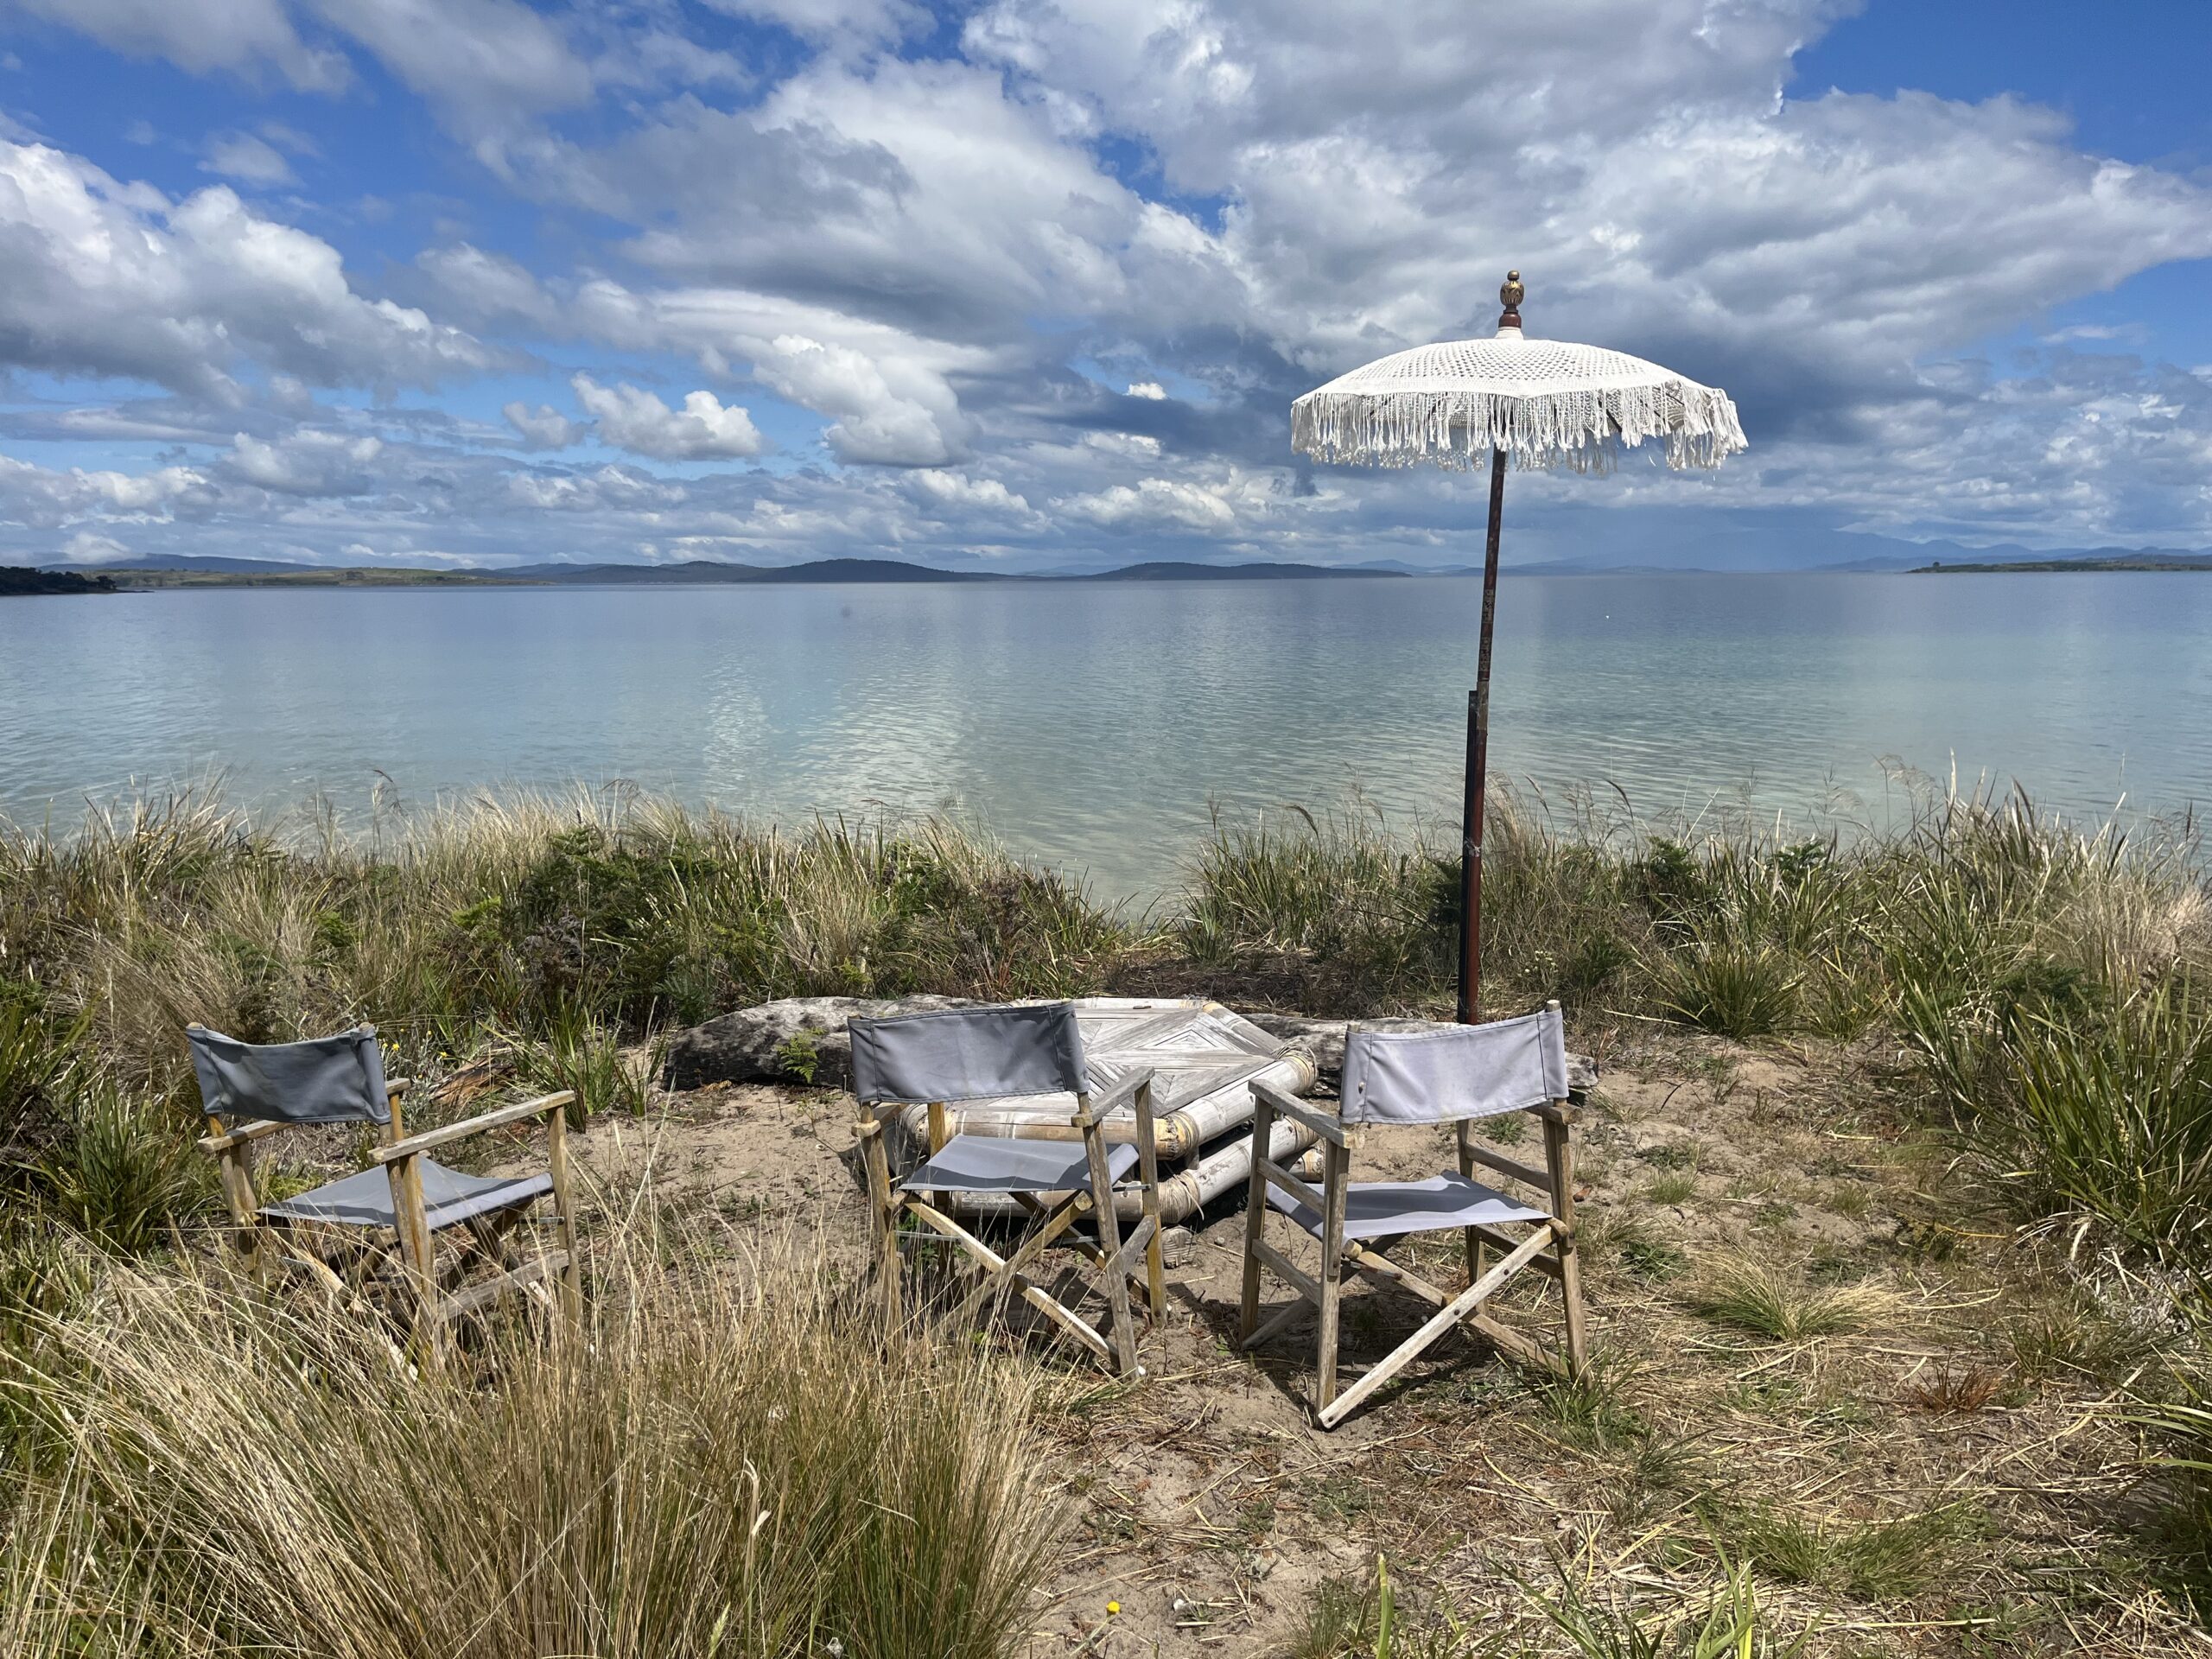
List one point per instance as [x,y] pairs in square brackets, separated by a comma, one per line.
[2148,559]
[15,580]
[1175,570]
[695,571]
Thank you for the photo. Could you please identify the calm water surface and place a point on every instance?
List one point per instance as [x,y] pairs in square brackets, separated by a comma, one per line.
[1093,725]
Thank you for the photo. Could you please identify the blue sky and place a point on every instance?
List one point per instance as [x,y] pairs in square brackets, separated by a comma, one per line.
[1030,284]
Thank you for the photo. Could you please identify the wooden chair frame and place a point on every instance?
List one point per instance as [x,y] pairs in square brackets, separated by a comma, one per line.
[400,1157]
[1113,1257]
[1548,1248]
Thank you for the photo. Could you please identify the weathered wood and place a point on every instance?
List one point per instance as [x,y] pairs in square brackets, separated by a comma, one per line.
[877,1162]
[462,1303]
[1288,1271]
[417,1251]
[219,1143]
[1280,1320]
[1510,1342]
[1132,1246]
[1503,1241]
[1256,1217]
[1380,1266]
[1329,1129]
[556,1165]
[1057,1221]
[1155,1266]
[1334,1411]
[1541,1180]
[500,1118]
[1277,1175]
[1559,1153]
[1031,1293]
[1336,1160]
[1109,1236]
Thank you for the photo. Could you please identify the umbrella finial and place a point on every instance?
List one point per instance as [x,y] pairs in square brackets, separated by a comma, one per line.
[1509,294]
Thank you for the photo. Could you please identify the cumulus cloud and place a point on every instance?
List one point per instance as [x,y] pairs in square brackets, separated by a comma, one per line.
[305,462]
[249,160]
[1154,503]
[632,419]
[950,264]
[107,278]
[543,427]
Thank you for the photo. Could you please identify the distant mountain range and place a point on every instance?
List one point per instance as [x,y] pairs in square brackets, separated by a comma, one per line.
[175,569]
[1728,552]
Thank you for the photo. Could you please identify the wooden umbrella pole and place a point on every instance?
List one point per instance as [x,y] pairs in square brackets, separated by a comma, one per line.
[1471,847]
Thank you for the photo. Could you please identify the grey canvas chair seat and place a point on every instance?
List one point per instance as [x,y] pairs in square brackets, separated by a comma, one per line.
[448,1198]
[965,1054]
[981,1163]
[1392,1209]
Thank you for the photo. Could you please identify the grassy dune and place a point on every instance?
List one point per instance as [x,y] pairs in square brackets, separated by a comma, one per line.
[2036,997]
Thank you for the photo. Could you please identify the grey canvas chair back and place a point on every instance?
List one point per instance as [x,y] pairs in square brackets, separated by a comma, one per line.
[967,1054]
[1407,1076]
[325,1080]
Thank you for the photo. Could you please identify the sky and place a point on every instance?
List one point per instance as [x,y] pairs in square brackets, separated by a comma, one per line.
[1030,284]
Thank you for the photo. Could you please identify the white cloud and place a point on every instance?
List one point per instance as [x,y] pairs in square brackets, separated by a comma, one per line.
[1156,503]
[107,278]
[244,36]
[480,61]
[938,489]
[252,161]
[305,462]
[543,427]
[90,547]
[42,496]
[1148,389]
[888,413]
[632,419]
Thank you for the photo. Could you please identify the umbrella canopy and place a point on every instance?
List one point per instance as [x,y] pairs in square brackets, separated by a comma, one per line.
[1535,402]
[1544,402]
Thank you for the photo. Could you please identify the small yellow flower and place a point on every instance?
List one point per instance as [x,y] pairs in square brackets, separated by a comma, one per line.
[1113,1607]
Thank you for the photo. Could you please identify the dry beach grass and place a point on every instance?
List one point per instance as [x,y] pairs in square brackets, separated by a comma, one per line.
[1894,1205]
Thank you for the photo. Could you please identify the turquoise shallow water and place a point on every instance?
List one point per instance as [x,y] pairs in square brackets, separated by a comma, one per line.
[1094,724]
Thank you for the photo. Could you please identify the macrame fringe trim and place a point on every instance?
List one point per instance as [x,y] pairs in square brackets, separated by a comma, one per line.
[1575,431]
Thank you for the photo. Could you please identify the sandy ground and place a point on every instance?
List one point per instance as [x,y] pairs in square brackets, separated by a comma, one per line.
[1207,1514]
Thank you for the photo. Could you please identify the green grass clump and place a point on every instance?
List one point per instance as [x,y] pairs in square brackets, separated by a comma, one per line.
[726,1463]
[1756,1295]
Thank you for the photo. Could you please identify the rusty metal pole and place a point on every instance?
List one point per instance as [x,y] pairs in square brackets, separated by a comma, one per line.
[1470,798]
[1470,850]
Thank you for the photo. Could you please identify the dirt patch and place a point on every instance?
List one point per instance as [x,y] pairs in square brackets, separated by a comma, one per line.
[1932,1473]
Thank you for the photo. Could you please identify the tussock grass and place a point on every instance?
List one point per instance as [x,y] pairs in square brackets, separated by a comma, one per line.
[734,1462]
[1767,1299]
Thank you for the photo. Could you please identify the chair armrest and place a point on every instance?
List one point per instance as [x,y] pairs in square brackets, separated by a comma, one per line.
[1331,1129]
[217,1145]
[414,1145]
[1111,1101]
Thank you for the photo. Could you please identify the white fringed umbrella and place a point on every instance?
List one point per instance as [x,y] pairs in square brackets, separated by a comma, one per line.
[1539,403]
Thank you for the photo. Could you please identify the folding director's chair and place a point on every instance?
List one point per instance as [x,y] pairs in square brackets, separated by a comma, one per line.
[983,1053]
[1452,1076]
[262,1087]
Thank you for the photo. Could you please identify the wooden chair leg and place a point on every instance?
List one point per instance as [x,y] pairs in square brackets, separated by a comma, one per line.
[1333,1159]
[556,1159]
[1155,1273]
[877,1162]
[1559,1158]
[1116,1284]
[1256,1216]
[417,1253]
